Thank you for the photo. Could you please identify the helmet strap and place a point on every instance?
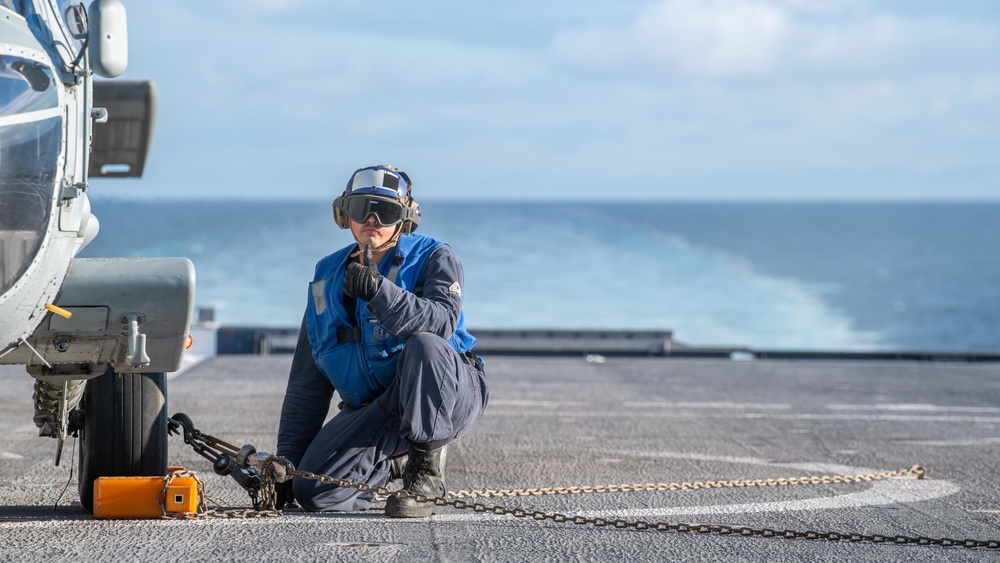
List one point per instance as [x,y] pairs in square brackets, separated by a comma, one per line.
[393,241]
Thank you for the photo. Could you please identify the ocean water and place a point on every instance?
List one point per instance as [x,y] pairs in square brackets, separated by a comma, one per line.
[826,276]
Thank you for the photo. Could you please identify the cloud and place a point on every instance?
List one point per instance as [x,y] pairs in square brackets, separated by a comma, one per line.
[274,6]
[683,36]
[717,38]
[722,94]
[720,39]
[714,38]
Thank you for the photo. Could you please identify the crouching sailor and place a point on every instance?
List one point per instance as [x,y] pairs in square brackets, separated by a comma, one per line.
[384,329]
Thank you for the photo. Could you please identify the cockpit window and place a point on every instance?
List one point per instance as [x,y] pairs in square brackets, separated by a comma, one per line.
[30,142]
[70,16]
[73,18]
[25,86]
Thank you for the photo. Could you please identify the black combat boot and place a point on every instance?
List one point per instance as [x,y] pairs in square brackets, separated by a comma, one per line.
[424,475]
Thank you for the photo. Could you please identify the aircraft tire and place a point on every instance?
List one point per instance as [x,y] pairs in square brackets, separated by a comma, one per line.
[125,429]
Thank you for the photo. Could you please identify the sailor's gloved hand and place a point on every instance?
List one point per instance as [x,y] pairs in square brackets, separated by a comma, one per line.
[363,280]
[285,495]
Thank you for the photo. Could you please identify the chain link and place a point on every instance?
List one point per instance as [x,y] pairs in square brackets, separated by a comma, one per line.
[268,496]
[203,512]
[667,527]
[917,470]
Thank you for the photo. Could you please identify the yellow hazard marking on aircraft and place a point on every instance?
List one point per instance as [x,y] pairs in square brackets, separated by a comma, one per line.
[58,311]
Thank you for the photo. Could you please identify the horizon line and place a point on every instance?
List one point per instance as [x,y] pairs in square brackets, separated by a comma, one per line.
[680,200]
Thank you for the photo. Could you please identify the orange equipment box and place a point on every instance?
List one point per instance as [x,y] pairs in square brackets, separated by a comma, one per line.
[139,497]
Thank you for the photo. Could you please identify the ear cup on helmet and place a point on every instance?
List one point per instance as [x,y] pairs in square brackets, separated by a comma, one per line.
[411,225]
[339,216]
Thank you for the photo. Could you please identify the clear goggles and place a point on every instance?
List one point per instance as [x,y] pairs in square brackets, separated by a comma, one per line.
[386,211]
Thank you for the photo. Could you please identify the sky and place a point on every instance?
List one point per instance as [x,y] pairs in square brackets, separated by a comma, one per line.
[581,99]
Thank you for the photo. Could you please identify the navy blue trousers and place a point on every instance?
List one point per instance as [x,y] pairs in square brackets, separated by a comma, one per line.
[437,396]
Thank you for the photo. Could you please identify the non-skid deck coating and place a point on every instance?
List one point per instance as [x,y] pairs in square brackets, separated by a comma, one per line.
[565,422]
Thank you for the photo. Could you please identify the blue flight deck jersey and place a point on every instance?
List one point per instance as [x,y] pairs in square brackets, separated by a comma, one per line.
[426,296]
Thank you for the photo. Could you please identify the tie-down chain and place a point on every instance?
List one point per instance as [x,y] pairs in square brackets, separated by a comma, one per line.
[259,473]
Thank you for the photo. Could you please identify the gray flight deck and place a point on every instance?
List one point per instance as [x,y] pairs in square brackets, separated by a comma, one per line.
[575,421]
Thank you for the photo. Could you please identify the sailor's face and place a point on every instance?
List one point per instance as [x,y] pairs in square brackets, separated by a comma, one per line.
[371,233]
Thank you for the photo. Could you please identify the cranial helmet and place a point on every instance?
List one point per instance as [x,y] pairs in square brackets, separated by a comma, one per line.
[382,190]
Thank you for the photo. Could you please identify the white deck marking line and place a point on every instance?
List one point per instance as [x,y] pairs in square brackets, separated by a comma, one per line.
[537,404]
[830,468]
[708,405]
[914,407]
[842,411]
[643,404]
[881,493]
[878,417]
[952,443]
[610,415]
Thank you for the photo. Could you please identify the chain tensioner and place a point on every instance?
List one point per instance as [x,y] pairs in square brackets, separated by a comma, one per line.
[256,472]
